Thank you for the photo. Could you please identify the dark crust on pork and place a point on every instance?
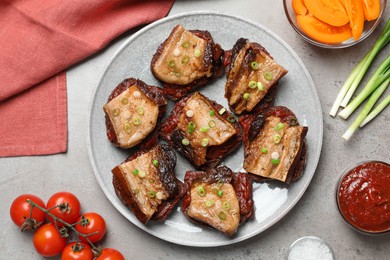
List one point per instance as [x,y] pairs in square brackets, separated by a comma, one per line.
[241,182]
[252,126]
[213,57]
[215,154]
[175,188]
[156,94]
[228,62]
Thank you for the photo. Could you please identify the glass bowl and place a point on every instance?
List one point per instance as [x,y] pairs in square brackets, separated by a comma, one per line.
[309,247]
[363,197]
[369,27]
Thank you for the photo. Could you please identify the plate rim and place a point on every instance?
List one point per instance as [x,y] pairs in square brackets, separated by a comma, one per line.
[318,150]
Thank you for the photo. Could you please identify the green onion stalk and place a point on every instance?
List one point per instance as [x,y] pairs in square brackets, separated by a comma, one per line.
[376,111]
[379,76]
[366,109]
[353,80]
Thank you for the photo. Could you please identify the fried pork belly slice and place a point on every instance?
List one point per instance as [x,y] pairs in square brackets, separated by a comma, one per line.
[186,60]
[219,198]
[274,145]
[133,111]
[251,73]
[202,130]
[147,185]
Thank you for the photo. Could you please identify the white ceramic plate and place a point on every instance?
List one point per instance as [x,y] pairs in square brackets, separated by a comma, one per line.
[296,91]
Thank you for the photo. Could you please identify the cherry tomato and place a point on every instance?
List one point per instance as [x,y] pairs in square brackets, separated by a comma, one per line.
[110,254]
[91,222]
[81,251]
[68,207]
[20,211]
[47,240]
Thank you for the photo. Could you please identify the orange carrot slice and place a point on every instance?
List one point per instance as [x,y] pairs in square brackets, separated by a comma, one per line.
[371,9]
[356,17]
[329,11]
[323,32]
[299,7]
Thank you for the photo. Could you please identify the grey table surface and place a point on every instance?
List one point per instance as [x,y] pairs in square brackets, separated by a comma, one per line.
[315,214]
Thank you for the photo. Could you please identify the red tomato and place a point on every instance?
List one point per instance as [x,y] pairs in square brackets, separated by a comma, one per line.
[110,254]
[47,240]
[80,252]
[68,207]
[91,222]
[20,212]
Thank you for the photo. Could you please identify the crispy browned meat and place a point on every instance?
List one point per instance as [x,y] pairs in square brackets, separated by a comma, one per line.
[186,60]
[204,138]
[218,198]
[251,75]
[133,112]
[274,145]
[147,185]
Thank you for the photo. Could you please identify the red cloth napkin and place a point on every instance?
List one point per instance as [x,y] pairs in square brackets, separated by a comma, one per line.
[39,39]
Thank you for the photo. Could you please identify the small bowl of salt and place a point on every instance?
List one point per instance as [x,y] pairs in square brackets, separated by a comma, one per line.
[308,248]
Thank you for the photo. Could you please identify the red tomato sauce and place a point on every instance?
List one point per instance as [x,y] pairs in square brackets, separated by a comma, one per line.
[364,197]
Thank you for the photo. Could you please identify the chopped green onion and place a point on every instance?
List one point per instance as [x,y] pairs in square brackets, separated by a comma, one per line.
[223,110]
[197,53]
[137,121]
[171,63]
[264,150]
[209,203]
[185,59]
[279,126]
[191,127]
[268,75]
[252,84]
[140,111]
[255,65]
[212,113]
[220,183]
[155,162]
[152,194]
[201,191]
[222,215]
[189,113]
[354,78]
[127,128]
[135,172]
[226,205]
[204,129]
[185,44]
[275,161]
[115,112]
[159,195]
[212,124]
[293,122]
[205,142]
[124,101]
[277,138]
[141,174]
[185,141]
[231,119]
[246,95]
[220,193]
[260,86]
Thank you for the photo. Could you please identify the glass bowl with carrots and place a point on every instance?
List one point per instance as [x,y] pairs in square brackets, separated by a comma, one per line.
[334,23]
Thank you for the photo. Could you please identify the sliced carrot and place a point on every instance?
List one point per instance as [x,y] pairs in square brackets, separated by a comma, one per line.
[356,17]
[328,11]
[371,9]
[299,7]
[323,32]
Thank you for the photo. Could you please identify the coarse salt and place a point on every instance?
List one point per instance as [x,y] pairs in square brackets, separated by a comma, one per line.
[309,248]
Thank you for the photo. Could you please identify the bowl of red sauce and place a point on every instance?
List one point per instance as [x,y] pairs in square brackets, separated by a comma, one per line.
[363,197]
